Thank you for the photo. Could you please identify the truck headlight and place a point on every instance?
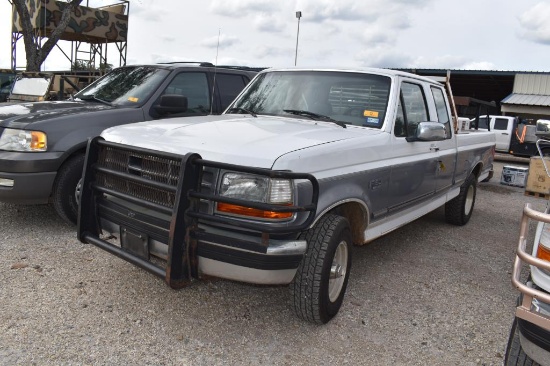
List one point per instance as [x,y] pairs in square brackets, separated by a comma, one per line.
[256,188]
[23,140]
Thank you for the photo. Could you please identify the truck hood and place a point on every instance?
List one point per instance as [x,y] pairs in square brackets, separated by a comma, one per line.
[21,114]
[246,140]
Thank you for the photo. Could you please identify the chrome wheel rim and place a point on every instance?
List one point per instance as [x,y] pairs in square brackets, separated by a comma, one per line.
[469,200]
[338,271]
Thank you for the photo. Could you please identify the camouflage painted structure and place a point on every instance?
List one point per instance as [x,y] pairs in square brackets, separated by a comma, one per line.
[90,29]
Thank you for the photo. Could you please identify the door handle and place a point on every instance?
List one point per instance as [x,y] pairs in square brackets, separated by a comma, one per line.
[505,133]
[434,148]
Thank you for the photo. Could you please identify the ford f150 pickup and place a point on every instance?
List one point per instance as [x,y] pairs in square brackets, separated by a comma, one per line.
[42,144]
[301,166]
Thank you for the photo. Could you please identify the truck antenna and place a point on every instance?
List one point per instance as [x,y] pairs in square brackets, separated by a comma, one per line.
[215,69]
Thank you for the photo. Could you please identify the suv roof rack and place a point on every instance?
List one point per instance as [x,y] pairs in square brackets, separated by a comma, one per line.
[242,67]
[200,63]
[209,64]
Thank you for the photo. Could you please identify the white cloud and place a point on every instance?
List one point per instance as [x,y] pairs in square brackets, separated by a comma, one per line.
[383,57]
[223,41]
[269,23]
[536,23]
[354,33]
[479,65]
[242,8]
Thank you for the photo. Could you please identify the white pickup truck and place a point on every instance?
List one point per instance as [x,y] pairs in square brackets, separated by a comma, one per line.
[301,166]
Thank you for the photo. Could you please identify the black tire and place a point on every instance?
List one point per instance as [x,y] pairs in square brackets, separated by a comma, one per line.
[315,296]
[64,188]
[514,355]
[459,210]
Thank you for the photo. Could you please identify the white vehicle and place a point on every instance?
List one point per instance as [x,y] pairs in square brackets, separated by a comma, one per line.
[303,164]
[503,126]
[529,341]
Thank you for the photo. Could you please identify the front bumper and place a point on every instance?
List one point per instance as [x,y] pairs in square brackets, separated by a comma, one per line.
[33,175]
[535,340]
[159,209]
[219,253]
[28,188]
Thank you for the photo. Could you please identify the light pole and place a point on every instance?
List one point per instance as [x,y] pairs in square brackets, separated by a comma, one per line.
[298,15]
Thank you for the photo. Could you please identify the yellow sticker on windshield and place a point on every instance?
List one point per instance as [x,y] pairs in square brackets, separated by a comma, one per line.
[133,99]
[367,113]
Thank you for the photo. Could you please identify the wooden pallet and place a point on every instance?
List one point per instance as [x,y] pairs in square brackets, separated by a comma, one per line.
[538,195]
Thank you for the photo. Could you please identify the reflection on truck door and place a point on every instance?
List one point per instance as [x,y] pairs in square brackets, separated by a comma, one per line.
[414,178]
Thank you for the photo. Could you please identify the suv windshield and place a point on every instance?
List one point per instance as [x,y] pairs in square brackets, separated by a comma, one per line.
[352,98]
[125,85]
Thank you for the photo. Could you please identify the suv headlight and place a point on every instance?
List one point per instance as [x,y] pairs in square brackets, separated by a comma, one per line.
[256,188]
[23,140]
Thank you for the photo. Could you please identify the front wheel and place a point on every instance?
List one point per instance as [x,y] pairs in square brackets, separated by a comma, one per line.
[459,210]
[515,356]
[320,283]
[64,191]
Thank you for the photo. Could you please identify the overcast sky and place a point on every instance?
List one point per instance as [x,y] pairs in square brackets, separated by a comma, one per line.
[448,34]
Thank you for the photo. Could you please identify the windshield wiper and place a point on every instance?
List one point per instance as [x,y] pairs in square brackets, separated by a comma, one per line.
[93,97]
[312,115]
[242,110]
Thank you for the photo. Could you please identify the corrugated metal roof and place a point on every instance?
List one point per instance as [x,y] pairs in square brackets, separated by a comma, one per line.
[527,99]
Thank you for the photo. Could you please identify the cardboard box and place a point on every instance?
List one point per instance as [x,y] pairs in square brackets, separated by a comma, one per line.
[514,176]
[538,180]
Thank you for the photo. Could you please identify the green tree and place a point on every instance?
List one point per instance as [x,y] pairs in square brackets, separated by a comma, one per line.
[35,52]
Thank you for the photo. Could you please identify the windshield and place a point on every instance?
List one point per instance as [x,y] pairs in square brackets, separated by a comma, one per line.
[352,98]
[125,85]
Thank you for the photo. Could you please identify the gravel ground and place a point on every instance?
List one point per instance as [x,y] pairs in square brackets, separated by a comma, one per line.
[428,293]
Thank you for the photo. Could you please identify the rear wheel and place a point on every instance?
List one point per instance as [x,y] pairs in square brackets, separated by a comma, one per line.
[321,279]
[459,210]
[64,198]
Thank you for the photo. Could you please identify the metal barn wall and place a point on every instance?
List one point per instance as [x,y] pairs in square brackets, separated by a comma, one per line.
[538,84]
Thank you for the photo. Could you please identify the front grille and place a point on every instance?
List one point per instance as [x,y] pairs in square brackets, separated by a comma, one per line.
[158,169]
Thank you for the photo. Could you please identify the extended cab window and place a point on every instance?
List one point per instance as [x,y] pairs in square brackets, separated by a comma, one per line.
[441,108]
[194,86]
[412,109]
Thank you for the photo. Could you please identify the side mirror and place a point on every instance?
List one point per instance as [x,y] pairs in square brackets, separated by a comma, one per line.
[171,103]
[429,131]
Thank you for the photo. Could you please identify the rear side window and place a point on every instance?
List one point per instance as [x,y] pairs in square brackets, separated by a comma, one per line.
[501,124]
[229,86]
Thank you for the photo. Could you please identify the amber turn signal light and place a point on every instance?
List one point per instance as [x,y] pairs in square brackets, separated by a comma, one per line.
[253,212]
